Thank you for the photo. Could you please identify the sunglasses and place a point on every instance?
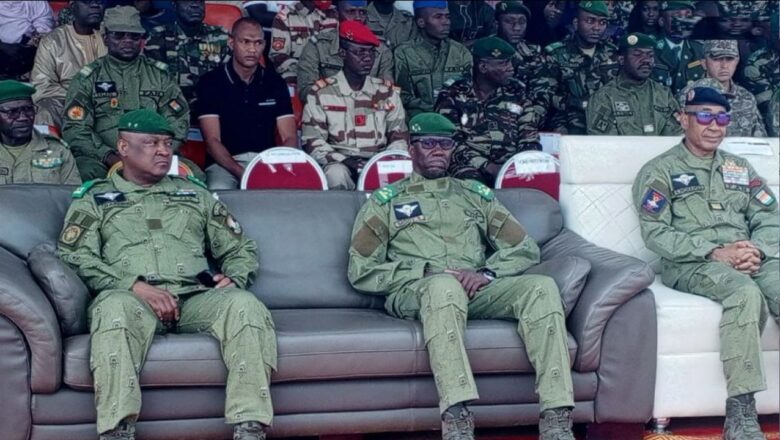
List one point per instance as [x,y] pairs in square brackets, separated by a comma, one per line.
[16,113]
[430,144]
[705,118]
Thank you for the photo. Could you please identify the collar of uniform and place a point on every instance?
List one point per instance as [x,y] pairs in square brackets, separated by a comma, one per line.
[425,41]
[122,65]
[625,82]
[418,184]
[125,186]
[695,161]
[38,142]
[346,90]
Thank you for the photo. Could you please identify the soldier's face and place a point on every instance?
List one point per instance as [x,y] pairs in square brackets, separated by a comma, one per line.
[638,63]
[734,26]
[435,22]
[124,45]
[678,23]
[512,27]
[145,155]
[16,119]
[650,11]
[499,72]
[190,11]
[247,45]
[721,68]
[349,12]
[88,13]
[358,58]
[431,155]
[705,138]
[590,27]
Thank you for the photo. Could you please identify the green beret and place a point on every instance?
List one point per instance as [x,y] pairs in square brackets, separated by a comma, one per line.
[676,5]
[596,7]
[512,7]
[492,47]
[11,90]
[637,40]
[145,121]
[431,124]
[123,19]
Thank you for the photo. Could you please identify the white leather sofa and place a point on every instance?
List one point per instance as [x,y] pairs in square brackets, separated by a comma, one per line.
[596,178]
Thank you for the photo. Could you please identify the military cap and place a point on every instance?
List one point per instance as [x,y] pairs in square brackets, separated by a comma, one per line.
[736,8]
[11,90]
[145,121]
[512,7]
[357,32]
[492,47]
[431,124]
[706,95]
[721,48]
[123,19]
[675,5]
[595,7]
[356,3]
[713,84]
[419,4]
[637,40]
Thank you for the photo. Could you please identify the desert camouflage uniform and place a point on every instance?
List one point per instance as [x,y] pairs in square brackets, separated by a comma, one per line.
[760,76]
[746,121]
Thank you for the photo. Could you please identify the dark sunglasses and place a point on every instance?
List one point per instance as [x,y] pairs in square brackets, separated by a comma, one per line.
[430,144]
[131,35]
[15,113]
[705,118]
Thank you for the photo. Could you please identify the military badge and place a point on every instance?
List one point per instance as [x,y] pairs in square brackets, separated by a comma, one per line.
[114,102]
[71,235]
[233,225]
[755,183]
[109,197]
[175,106]
[407,211]
[105,87]
[765,198]
[47,162]
[622,106]
[653,202]
[360,120]
[76,113]
[691,95]
[632,40]
[685,183]
[277,43]
[734,174]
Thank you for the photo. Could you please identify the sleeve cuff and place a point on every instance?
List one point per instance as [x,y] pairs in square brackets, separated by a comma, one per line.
[126,283]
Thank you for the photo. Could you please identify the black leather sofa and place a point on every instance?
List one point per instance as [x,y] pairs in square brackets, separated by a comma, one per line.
[344,365]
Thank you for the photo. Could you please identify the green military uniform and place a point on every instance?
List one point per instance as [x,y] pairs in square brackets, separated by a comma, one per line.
[409,232]
[677,71]
[760,76]
[394,29]
[422,68]
[688,206]
[188,56]
[774,111]
[117,233]
[45,159]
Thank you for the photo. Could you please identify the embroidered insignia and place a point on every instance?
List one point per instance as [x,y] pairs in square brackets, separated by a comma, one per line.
[384,195]
[755,183]
[407,211]
[765,198]
[109,197]
[105,87]
[175,106]
[76,113]
[691,95]
[233,225]
[335,108]
[277,43]
[360,120]
[114,102]
[622,106]
[496,53]
[653,202]
[684,179]
[71,234]
[632,40]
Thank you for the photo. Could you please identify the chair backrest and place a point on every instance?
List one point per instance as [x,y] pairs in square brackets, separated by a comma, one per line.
[283,168]
[531,169]
[383,169]
[194,148]
[57,6]
[222,15]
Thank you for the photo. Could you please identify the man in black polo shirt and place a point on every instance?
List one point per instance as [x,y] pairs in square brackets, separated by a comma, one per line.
[240,103]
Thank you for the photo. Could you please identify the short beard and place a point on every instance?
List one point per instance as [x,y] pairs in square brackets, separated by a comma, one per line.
[433,174]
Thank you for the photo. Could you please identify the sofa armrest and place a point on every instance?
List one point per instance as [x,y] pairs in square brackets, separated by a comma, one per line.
[24,304]
[613,280]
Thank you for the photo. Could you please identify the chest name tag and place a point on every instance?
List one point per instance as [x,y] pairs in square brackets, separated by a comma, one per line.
[716,206]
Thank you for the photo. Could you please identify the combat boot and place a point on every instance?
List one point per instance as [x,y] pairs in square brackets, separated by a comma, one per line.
[123,431]
[742,419]
[249,431]
[555,424]
[457,423]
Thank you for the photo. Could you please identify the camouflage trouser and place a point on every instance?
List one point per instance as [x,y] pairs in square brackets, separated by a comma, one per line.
[442,306]
[744,300]
[340,177]
[122,329]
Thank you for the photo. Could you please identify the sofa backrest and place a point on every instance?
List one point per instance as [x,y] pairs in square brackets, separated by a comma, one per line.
[597,173]
[302,236]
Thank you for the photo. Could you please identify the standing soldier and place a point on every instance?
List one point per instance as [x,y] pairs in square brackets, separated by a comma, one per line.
[633,104]
[582,63]
[106,89]
[762,70]
[291,30]
[678,59]
[141,241]
[188,46]
[434,268]
[495,117]
[320,58]
[471,19]
[714,223]
[390,24]
[424,66]
[352,116]
[25,155]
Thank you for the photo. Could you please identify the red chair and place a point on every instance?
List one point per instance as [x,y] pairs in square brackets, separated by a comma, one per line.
[284,168]
[222,15]
[195,148]
[383,169]
[531,169]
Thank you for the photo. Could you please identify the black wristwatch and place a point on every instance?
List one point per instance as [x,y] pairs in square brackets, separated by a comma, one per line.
[487,273]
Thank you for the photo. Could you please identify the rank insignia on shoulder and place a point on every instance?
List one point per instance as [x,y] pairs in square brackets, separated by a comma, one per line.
[384,195]
[197,181]
[86,71]
[160,65]
[84,188]
[653,202]
[481,189]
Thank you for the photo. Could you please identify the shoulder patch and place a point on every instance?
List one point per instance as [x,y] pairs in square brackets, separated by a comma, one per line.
[86,71]
[160,65]
[198,182]
[85,187]
[479,188]
[553,47]
[384,195]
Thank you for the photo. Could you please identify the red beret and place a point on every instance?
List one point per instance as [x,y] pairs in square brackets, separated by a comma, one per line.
[357,32]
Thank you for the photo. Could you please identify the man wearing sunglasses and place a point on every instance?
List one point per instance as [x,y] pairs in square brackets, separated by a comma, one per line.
[714,222]
[25,155]
[422,243]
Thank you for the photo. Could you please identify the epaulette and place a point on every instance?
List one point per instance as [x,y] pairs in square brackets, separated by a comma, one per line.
[553,47]
[59,140]
[85,187]
[160,65]
[479,188]
[198,182]
[87,70]
[385,194]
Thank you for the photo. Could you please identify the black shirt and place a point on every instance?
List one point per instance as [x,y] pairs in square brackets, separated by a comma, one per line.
[247,112]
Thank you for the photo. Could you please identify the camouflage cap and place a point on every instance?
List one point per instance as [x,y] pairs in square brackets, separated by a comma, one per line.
[676,5]
[492,47]
[736,8]
[637,40]
[711,83]
[431,124]
[706,95]
[595,7]
[11,90]
[721,48]
[123,19]
[145,121]
[512,7]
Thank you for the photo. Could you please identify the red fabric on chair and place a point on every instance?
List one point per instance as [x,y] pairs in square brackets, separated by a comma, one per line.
[222,15]
[284,168]
[195,148]
[56,7]
[548,182]
[373,177]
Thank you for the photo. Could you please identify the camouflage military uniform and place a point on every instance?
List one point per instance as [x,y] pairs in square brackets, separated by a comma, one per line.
[393,30]
[404,237]
[117,233]
[746,121]
[688,206]
[774,110]
[471,20]
[422,69]
[320,59]
[45,159]
[676,71]
[620,11]
[626,108]
[188,56]
[339,122]
[102,92]
[492,130]
[290,32]
[532,68]
[760,76]
[576,77]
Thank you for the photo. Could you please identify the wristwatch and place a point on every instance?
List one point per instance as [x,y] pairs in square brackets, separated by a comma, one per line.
[487,273]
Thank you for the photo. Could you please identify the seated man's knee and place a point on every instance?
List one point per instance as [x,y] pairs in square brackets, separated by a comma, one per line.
[246,307]
[441,291]
[339,177]
[545,298]
[120,310]
[746,305]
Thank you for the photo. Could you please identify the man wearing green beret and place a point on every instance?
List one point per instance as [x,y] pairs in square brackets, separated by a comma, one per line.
[495,116]
[678,59]
[581,64]
[436,270]
[27,156]
[130,238]
[119,82]
[633,104]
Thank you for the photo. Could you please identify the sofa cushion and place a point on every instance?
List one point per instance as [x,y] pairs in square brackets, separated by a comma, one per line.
[342,343]
[570,274]
[62,286]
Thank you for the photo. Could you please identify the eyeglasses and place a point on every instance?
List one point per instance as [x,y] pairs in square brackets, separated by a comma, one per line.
[15,113]
[362,53]
[705,118]
[430,144]
[122,35]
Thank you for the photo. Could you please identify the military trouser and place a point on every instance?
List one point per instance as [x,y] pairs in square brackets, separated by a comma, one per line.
[442,306]
[744,299]
[122,328]
[340,177]
[91,168]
